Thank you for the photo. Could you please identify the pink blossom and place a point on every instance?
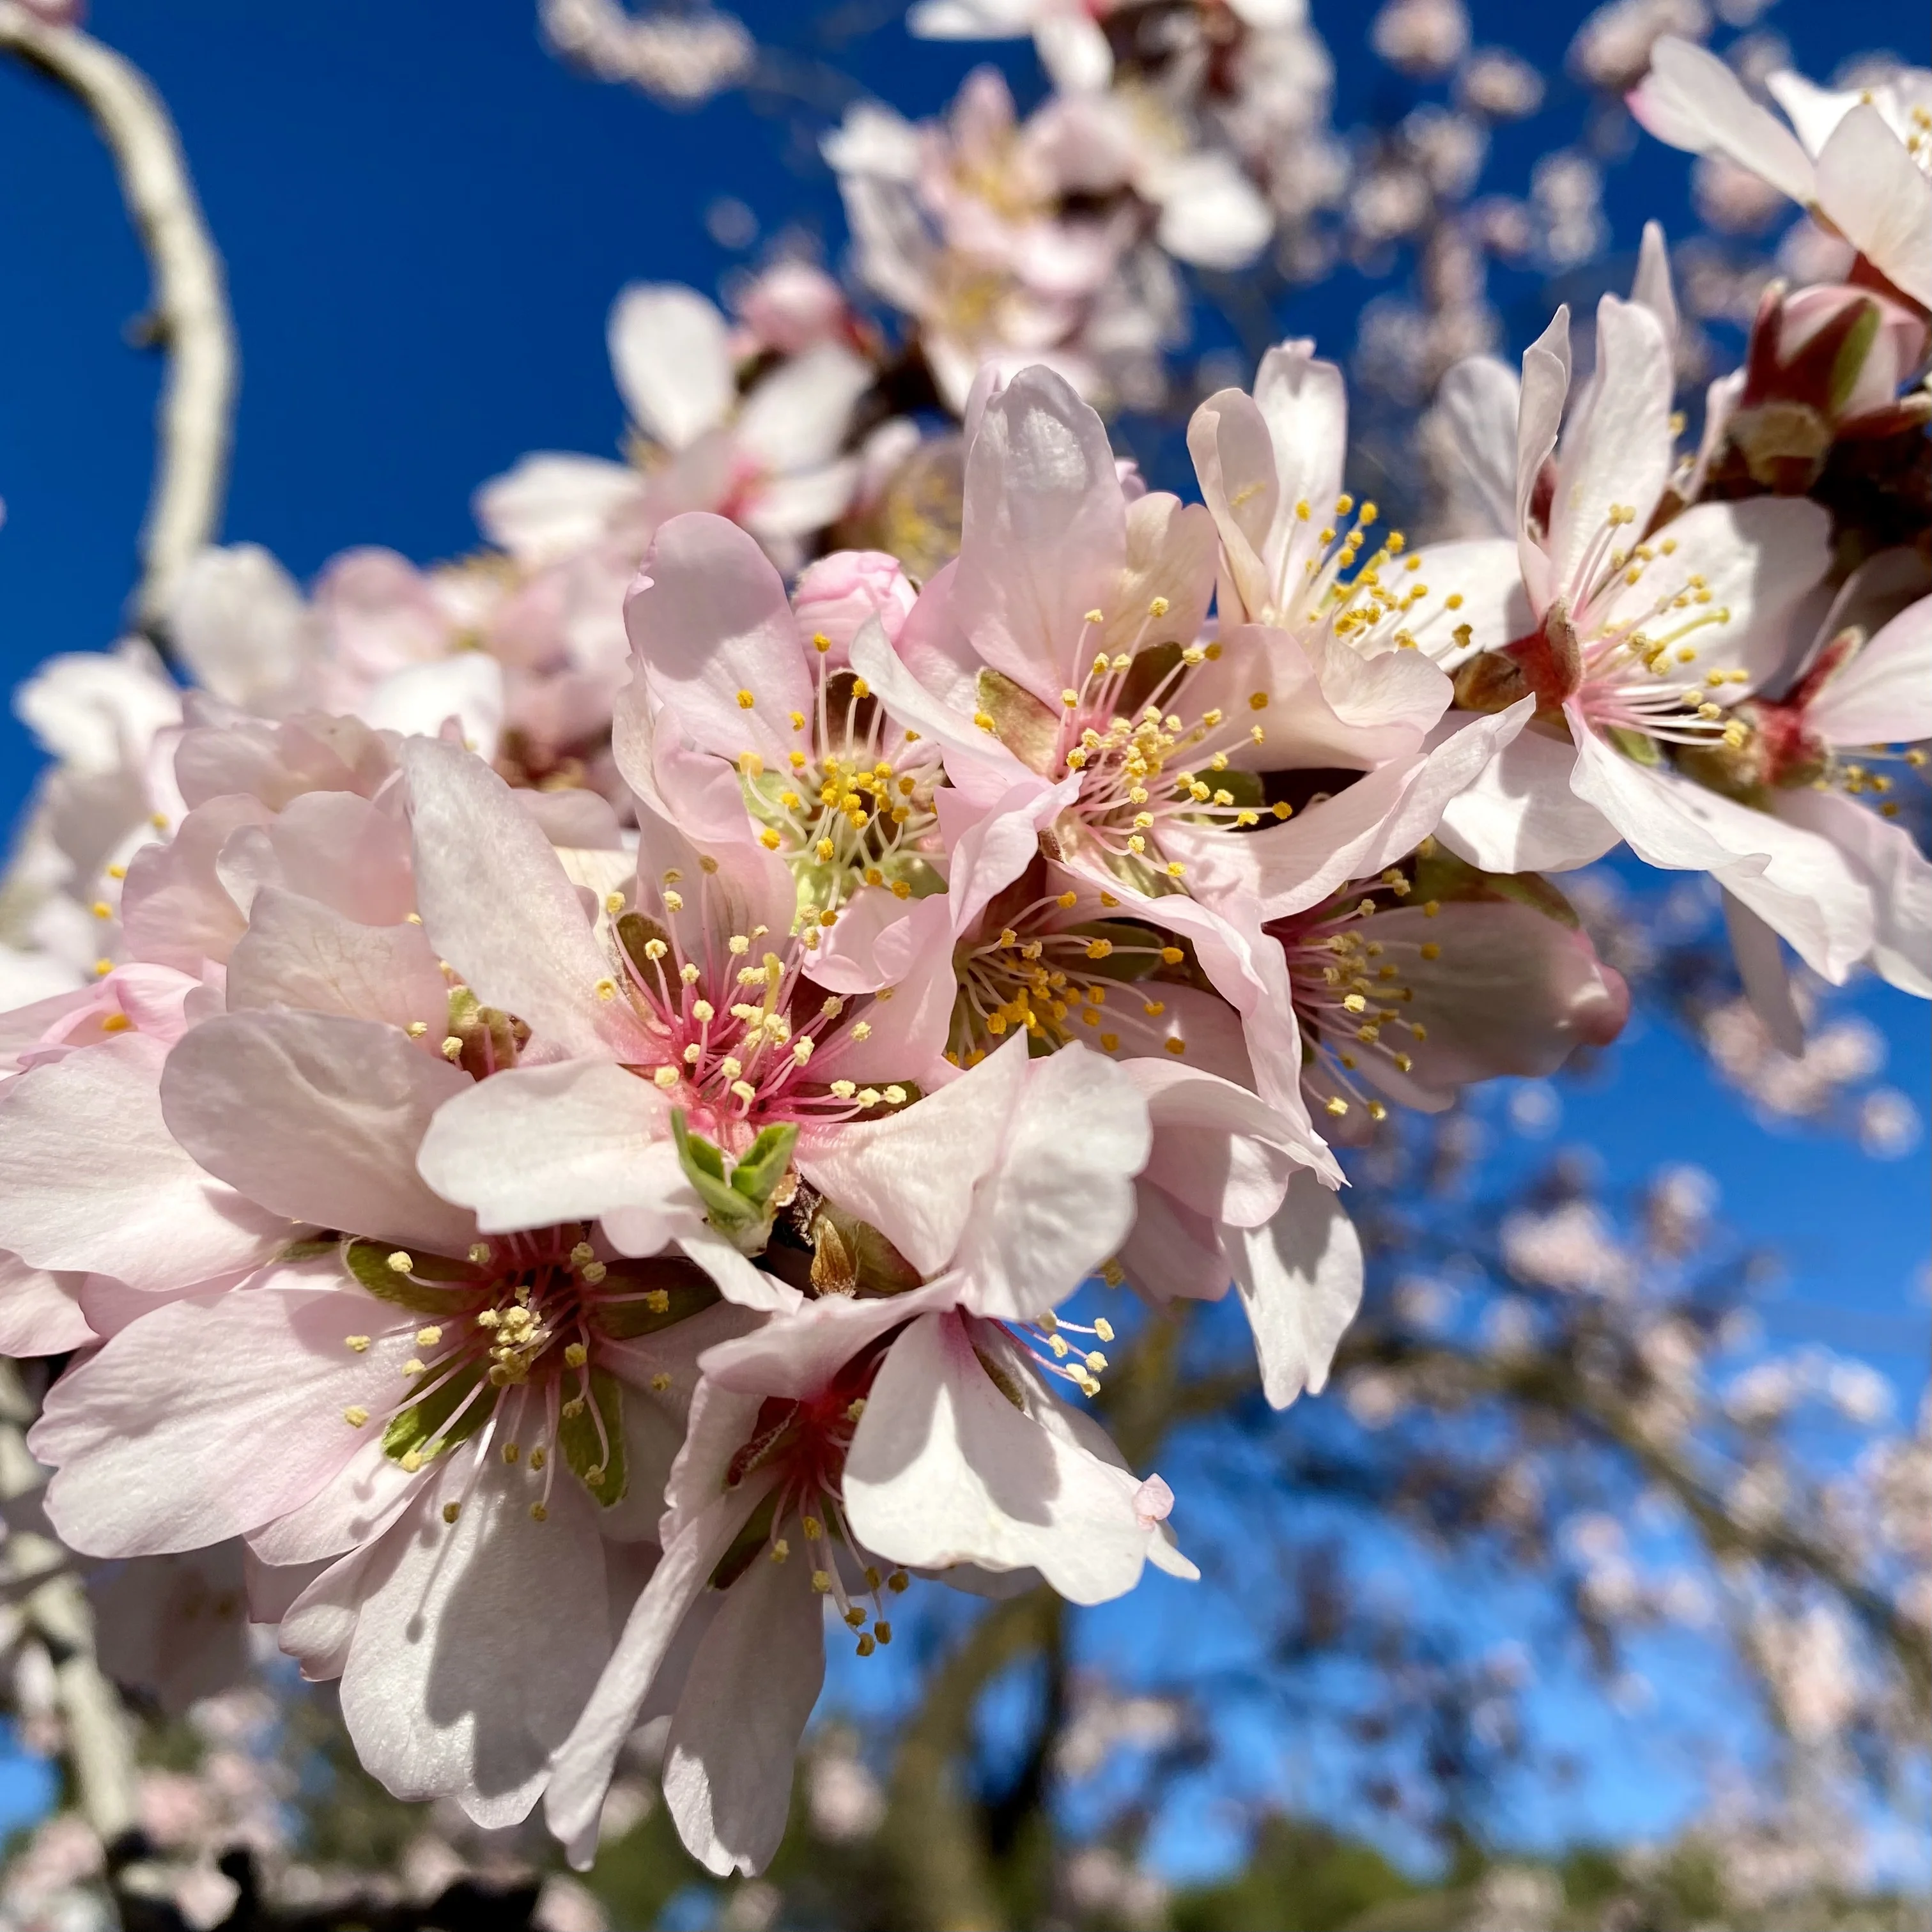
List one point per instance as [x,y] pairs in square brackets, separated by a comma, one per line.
[834,596]
[1857,158]
[1641,638]
[916,1428]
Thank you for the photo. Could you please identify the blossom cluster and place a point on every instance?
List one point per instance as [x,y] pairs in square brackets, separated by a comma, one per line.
[589,1117]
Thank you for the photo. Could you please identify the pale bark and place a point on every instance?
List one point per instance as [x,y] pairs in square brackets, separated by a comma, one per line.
[187,318]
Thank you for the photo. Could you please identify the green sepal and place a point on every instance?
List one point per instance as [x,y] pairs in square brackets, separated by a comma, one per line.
[1026,727]
[421,1427]
[586,1452]
[368,1261]
[1639,748]
[738,1201]
[745,1546]
[1848,365]
[703,1164]
[687,1289]
[757,1175]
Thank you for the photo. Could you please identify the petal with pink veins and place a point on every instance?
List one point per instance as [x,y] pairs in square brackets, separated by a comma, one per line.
[94,1181]
[318,1118]
[711,627]
[148,1459]
[298,952]
[496,903]
[1044,535]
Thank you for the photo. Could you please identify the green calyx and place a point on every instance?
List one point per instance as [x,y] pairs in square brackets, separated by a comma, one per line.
[739,1197]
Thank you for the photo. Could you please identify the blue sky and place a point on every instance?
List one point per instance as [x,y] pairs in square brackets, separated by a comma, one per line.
[425,219]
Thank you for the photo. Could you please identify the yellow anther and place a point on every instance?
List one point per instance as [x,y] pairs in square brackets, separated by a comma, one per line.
[745,701]
[356,1416]
[401,1260]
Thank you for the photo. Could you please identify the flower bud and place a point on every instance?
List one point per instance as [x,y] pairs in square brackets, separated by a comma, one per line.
[791,307]
[836,595]
[1825,364]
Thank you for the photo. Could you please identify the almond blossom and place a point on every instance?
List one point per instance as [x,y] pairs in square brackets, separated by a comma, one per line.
[1861,160]
[688,1007]
[904,1418]
[769,460]
[1637,635]
[1059,655]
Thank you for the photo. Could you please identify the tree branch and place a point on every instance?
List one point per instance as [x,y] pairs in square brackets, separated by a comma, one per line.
[187,318]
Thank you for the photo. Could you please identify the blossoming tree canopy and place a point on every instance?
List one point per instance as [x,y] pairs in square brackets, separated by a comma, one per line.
[656,1071]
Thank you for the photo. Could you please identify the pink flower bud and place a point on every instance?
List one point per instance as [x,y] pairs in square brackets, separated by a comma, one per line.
[837,594]
[1824,364]
[793,307]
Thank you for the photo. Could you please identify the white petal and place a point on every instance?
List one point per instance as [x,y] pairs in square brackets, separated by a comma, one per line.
[91,1180]
[1061,1199]
[797,417]
[583,1765]
[913,1174]
[1692,99]
[496,902]
[1478,399]
[551,506]
[318,1118]
[1300,1281]
[1884,695]
[1619,454]
[150,1459]
[1877,199]
[727,1770]
[468,687]
[477,1642]
[669,350]
[1760,958]
[944,1468]
[534,1145]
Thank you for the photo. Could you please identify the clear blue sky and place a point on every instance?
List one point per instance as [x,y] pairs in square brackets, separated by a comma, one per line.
[425,219]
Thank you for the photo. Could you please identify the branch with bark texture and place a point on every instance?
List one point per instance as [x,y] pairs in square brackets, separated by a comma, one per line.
[187,317]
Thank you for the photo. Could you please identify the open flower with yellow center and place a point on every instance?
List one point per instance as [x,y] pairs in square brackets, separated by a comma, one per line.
[1637,633]
[830,782]
[904,1420]
[679,1044]
[1197,783]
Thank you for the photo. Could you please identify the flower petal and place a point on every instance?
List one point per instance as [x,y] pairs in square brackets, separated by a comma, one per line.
[1299,1278]
[728,1772]
[1044,535]
[318,1118]
[92,1181]
[670,354]
[496,903]
[149,1459]
[710,626]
